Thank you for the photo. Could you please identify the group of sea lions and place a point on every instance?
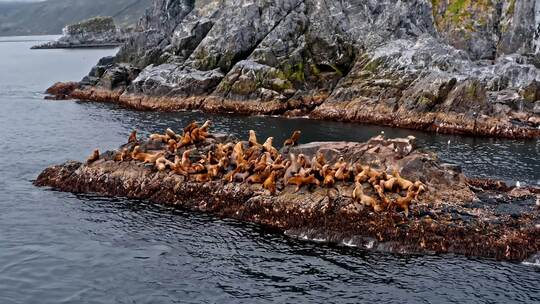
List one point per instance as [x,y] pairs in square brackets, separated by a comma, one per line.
[255,163]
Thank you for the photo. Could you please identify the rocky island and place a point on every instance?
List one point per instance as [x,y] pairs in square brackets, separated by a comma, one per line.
[384,194]
[462,67]
[465,67]
[94,32]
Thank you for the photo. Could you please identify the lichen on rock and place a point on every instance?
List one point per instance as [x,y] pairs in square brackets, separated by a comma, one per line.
[401,61]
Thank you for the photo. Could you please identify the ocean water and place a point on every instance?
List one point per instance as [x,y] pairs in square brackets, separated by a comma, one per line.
[63,248]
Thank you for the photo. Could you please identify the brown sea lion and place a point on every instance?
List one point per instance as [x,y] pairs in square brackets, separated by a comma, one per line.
[145,157]
[253,139]
[293,140]
[133,137]
[93,157]
[404,184]
[300,181]
[270,183]
[405,202]
[366,200]
[328,176]
[268,147]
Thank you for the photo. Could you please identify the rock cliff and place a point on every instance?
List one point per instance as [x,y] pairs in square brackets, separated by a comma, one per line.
[456,66]
[94,32]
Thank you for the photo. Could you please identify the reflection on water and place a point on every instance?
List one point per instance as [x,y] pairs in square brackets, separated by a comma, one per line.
[63,248]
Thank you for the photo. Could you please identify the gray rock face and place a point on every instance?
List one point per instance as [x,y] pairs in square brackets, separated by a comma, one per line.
[94,32]
[464,57]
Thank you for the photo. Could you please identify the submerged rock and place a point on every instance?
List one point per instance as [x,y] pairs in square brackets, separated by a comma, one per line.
[454,214]
[93,32]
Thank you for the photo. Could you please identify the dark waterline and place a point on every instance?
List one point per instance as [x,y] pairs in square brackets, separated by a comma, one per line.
[62,248]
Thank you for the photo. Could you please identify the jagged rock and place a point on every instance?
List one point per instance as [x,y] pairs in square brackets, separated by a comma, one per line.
[537,107]
[94,32]
[170,79]
[119,76]
[447,66]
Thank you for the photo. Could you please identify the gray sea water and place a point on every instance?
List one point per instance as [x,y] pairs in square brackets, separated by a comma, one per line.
[63,248]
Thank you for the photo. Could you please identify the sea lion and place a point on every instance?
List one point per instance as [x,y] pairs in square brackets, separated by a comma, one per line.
[318,162]
[121,155]
[300,181]
[293,140]
[386,202]
[268,147]
[240,177]
[261,165]
[404,202]
[201,178]
[159,138]
[328,176]
[162,163]
[196,168]
[418,187]
[293,168]
[145,157]
[389,184]
[270,183]
[366,200]
[343,173]
[171,134]
[186,140]
[93,157]
[133,137]
[361,177]
[404,184]
[303,161]
[339,163]
[253,139]
[171,146]
[258,178]
[241,168]
[214,170]
[237,156]
[193,125]
[178,169]
[205,127]
[185,162]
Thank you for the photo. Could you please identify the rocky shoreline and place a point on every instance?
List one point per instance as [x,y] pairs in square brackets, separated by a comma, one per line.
[448,123]
[97,32]
[440,66]
[454,214]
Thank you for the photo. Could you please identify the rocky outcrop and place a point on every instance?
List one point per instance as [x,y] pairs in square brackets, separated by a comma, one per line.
[94,32]
[455,215]
[446,65]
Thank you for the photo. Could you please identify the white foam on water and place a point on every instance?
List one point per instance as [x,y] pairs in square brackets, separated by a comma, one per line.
[349,243]
[533,261]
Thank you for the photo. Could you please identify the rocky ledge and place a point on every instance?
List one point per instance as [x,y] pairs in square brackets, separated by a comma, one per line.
[448,66]
[94,32]
[346,194]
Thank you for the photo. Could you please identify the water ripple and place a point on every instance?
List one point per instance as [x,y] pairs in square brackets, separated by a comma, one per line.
[63,248]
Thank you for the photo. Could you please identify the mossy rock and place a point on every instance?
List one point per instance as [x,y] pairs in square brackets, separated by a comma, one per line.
[531,93]
[92,25]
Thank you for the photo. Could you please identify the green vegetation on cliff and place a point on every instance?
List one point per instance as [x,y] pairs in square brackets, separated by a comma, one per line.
[95,25]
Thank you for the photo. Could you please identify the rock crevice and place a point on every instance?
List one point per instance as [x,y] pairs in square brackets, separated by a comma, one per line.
[400,61]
